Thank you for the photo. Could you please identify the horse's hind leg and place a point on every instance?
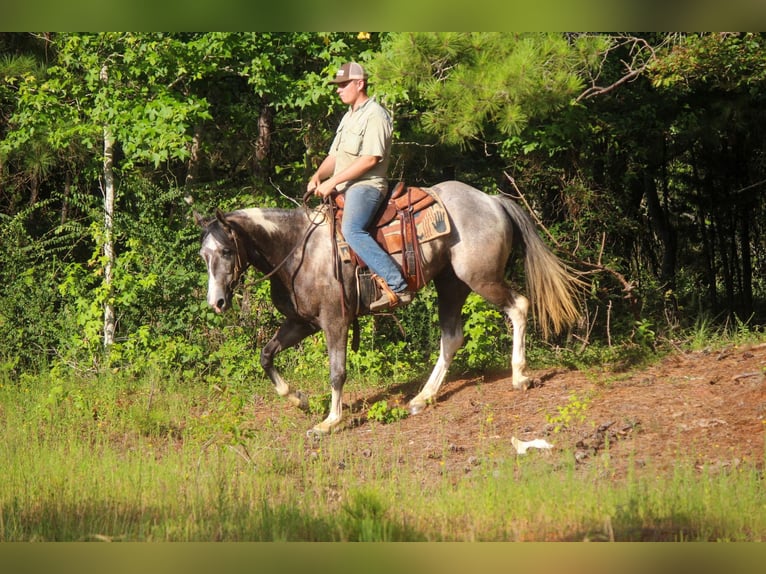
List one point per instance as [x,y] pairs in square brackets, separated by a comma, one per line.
[516,307]
[517,313]
[452,294]
[290,333]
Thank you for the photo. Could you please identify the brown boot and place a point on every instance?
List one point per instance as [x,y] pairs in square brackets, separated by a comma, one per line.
[386,301]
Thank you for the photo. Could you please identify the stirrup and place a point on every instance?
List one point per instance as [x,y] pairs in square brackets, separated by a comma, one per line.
[387,300]
[384,302]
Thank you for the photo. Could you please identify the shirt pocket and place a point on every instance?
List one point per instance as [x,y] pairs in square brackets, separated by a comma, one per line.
[351,140]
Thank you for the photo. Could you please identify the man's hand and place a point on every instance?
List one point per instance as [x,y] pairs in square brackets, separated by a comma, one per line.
[325,188]
[312,184]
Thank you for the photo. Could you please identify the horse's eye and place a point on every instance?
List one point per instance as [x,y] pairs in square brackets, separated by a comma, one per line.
[226,253]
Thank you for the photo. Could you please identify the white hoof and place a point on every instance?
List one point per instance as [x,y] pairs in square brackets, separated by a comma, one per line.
[316,434]
[522,384]
[417,406]
[325,427]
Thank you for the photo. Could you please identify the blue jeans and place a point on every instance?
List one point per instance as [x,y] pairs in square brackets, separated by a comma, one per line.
[362,203]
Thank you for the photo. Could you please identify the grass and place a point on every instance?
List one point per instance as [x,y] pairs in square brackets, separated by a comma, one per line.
[155,458]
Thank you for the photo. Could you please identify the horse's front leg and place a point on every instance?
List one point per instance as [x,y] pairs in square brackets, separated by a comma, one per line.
[290,333]
[337,341]
[452,294]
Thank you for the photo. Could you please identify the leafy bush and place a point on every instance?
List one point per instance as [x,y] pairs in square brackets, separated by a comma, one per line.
[569,414]
[382,413]
[33,317]
[487,340]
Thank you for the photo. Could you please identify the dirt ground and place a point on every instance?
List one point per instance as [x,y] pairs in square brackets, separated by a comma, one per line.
[703,407]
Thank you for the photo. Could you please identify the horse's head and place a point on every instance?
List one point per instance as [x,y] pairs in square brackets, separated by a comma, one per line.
[221,251]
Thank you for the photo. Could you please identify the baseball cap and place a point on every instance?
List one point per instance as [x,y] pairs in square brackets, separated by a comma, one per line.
[349,71]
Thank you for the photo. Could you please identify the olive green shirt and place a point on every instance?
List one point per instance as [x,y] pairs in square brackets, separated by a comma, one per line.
[366,131]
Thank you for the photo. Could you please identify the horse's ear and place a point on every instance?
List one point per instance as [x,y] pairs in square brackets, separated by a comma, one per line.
[220,216]
[199,220]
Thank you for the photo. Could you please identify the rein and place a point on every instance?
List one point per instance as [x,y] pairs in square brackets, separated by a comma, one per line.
[239,267]
[337,263]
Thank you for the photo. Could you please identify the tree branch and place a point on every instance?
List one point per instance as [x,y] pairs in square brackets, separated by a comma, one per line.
[598,90]
[642,54]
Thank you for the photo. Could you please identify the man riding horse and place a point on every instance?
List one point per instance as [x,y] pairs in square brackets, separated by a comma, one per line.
[357,166]
[477,236]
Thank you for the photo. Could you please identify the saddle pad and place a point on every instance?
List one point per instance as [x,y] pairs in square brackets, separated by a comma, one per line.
[430,223]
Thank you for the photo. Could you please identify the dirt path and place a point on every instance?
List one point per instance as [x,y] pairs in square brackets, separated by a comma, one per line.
[705,407]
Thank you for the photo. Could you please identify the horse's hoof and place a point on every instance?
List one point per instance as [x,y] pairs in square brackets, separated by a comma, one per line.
[316,434]
[523,384]
[417,407]
[301,400]
[324,428]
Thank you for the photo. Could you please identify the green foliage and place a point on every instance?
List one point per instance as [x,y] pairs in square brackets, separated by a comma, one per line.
[487,338]
[709,334]
[571,413]
[382,413]
[320,404]
[644,334]
[724,59]
[385,353]
[33,316]
[513,78]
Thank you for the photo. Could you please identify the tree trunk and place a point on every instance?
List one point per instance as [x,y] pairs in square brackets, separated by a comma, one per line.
[665,232]
[723,237]
[34,192]
[109,257]
[706,231]
[263,143]
[746,297]
[192,173]
[708,253]
[65,199]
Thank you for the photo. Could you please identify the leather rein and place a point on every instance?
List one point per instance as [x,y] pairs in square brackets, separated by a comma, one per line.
[239,267]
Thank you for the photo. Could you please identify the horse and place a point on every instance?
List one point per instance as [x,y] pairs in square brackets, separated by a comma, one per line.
[293,249]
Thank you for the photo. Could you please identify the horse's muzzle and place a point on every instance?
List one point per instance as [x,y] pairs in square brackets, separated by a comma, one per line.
[218,301]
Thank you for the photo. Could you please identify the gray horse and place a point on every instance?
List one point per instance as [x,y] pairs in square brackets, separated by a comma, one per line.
[293,247]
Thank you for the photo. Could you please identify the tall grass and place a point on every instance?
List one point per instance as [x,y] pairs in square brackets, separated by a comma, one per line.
[159,459]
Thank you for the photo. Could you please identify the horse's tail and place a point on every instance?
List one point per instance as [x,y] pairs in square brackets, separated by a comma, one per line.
[552,285]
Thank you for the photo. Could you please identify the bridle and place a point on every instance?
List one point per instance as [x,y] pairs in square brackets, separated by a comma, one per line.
[240,267]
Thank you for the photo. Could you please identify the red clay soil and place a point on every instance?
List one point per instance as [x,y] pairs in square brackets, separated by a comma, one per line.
[703,407]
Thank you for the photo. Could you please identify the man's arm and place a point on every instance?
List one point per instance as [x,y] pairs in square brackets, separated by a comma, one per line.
[359,167]
[324,171]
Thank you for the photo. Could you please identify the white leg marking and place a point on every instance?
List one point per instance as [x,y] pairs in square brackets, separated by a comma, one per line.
[433,384]
[283,390]
[333,419]
[517,313]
